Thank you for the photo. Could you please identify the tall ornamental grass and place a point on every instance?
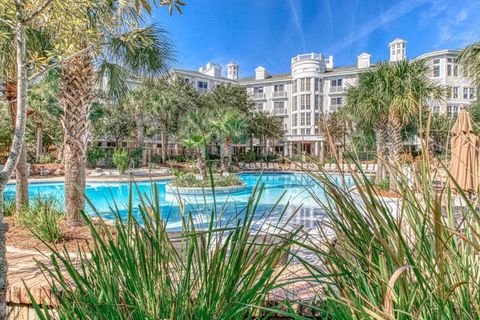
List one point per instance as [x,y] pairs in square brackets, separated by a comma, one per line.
[421,263]
[134,270]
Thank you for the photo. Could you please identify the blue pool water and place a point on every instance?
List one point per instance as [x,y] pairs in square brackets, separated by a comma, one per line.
[292,191]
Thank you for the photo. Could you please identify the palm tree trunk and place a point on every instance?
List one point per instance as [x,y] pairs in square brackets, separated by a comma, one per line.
[395,146]
[21,188]
[141,136]
[227,154]
[76,85]
[164,141]
[21,184]
[202,165]
[39,142]
[16,147]
[381,149]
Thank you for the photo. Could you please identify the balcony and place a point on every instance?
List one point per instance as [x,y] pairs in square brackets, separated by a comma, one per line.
[280,112]
[279,94]
[336,89]
[258,96]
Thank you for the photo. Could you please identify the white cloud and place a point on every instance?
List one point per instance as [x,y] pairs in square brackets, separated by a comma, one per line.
[296,19]
[387,17]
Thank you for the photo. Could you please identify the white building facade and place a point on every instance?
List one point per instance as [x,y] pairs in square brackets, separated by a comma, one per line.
[315,85]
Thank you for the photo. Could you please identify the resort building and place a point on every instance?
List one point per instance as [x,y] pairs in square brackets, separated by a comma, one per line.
[316,85]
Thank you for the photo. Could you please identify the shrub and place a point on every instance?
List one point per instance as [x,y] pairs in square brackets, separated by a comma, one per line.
[94,155]
[43,218]
[45,158]
[136,157]
[121,160]
[9,206]
[190,180]
[137,272]
[418,262]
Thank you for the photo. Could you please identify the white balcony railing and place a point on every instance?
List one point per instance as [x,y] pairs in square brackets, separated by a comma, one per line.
[258,95]
[280,112]
[279,94]
[336,89]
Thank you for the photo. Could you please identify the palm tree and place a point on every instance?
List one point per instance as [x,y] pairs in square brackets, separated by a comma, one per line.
[198,143]
[387,97]
[368,107]
[37,46]
[227,126]
[111,50]
[410,89]
[196,128]
[469,59]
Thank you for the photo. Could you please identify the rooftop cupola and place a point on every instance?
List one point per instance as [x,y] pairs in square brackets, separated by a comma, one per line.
[232,71]
[398,50]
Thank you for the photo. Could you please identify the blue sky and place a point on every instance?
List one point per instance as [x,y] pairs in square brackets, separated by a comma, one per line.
[271,32]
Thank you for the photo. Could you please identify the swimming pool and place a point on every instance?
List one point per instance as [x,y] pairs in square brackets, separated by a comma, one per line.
[296,189]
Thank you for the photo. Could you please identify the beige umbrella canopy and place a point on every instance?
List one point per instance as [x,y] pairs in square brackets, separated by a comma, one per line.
[464,165]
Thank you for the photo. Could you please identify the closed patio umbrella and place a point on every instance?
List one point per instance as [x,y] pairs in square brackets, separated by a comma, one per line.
[465,156]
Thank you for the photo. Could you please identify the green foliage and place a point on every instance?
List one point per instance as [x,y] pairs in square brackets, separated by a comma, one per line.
[43,218]
[135,271]
[95,154]
[135,155]
[474,111]
[384,184]
[469,59]
[114,123]
[250,156]
[190,180]
[46,158]
[121,160]
[397,260]
[9,206]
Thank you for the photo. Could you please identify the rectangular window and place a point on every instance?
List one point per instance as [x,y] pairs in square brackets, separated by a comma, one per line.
[279,107]
[452,67]
[302,132]
[294,132]
[455,92]
[294,120]
[336,101]
[307,84]
[278,88]
[436,109]
[259,106]
[436,68]
[452,110]
[294,86]
[307,131]
[317,84]
[294,103]
[465,93]
[317,102]
[202,85]
[472,93]
[302,84]
[309,119]
[257,89]
[305,102]
[336,83]
[302,118]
